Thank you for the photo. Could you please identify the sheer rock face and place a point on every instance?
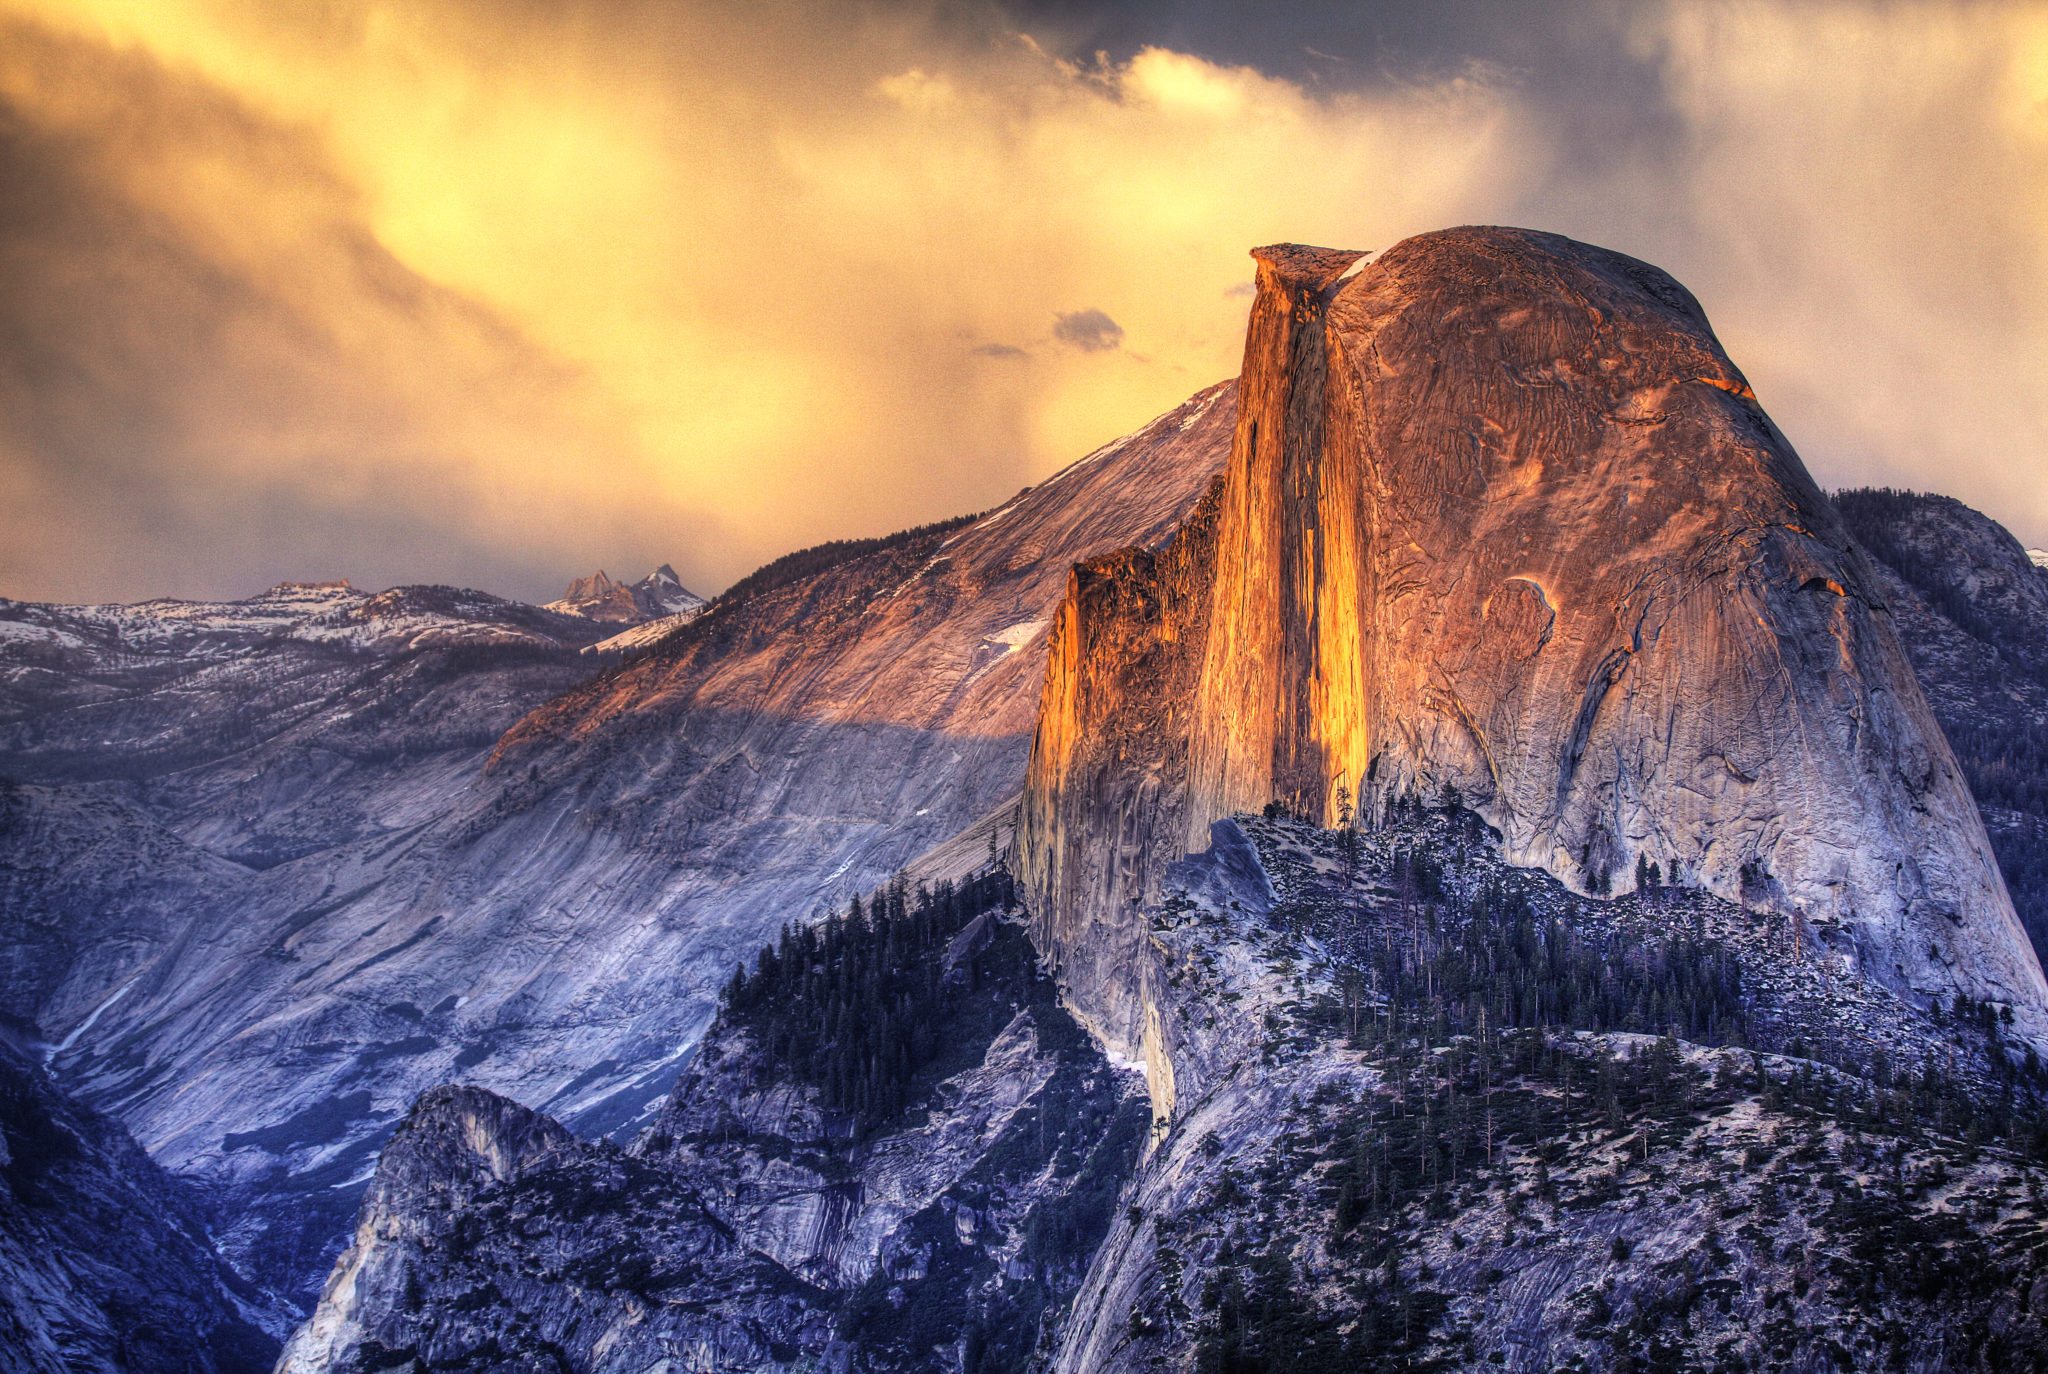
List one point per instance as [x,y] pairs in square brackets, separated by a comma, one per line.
[1501,517]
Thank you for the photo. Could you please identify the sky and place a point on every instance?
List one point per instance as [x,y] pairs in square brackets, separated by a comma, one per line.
[498,292]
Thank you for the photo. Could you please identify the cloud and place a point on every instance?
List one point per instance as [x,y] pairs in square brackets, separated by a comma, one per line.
[1089,330]
[999,350]
[499,292]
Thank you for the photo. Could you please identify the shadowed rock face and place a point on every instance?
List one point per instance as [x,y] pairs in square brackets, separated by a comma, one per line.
[1972,609]
[1502,518]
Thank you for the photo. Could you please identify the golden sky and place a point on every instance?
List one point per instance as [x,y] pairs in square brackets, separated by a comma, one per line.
[497,293]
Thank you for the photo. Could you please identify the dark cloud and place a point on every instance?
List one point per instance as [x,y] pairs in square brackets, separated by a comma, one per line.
[999,350]
[1089,330]
[1592,91]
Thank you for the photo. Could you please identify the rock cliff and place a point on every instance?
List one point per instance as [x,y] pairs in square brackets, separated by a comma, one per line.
[1503,524]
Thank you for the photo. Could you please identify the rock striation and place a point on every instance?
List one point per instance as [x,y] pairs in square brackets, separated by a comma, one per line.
[1502,524]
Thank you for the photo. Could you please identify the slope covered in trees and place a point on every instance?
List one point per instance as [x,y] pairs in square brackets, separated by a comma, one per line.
[871,1005]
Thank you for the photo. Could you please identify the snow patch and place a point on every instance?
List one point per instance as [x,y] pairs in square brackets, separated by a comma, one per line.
[1015,637]
[640,636]
[1365,260]
[21,631]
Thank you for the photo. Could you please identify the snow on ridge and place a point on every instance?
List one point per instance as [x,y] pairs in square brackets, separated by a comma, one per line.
[2039,557]
[1015,637]
[33,633]
[1182,418]
[647,632]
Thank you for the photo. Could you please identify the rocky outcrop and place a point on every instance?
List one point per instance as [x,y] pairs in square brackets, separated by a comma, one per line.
[1503,524]
[751,1228]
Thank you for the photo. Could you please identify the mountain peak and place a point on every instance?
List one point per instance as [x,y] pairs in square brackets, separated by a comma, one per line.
[599,597]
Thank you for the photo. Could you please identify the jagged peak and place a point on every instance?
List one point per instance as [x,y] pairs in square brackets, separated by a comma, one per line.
[597,584]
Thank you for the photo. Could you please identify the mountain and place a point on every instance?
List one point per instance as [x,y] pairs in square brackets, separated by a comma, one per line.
[1503,526]
[657,596]
[277,894]
[757,1217]
[108,1266]
[1568,1024]
[181,786]
[1440,821]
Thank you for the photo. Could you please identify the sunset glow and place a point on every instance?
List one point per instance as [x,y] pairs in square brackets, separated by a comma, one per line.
[499,294]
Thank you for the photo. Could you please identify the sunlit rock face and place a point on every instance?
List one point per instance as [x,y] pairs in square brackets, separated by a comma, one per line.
[1502,521]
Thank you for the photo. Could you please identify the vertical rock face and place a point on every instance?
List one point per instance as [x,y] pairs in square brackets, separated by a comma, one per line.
[1106,791]
[1502,522]
[1282,700]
